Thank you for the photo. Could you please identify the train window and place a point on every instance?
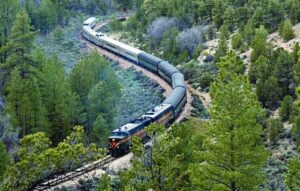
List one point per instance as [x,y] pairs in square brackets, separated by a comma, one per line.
[119,134]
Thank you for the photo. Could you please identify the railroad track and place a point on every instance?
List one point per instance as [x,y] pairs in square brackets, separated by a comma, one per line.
[101,163]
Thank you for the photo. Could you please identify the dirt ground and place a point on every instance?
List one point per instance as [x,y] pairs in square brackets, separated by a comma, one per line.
[276,40]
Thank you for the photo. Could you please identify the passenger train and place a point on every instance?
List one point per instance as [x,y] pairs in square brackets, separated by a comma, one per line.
[120,139]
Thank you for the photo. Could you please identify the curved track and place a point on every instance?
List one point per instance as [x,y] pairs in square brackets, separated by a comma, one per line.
[127,64]
[93,168]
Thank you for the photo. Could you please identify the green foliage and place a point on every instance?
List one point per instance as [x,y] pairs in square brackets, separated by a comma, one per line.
[293,174]
[275,126]
[230,164]
[259,69]
[259,43]
[19,46]
[221,51]
[61,103]
[25,104]
[37,161]
[4,161]
[268,92]
[230,64]
[236,41]
[286,108]
[102,102]
[8,10]
[164,166]
[58,35]
[115,24]
[104,183]
[99,91]
[286,30]
[296,125]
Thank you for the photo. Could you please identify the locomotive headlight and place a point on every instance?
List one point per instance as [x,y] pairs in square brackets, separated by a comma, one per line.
[113,139]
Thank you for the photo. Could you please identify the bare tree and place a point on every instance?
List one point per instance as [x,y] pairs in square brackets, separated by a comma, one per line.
[157,28]
[189,39]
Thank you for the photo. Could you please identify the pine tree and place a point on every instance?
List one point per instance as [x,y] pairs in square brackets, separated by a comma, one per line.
[233,154]
[19,46]
[292,176]
[8,10]
[59,99]
[275,126]
[286,30]
[286,108]
[25,104]
[259,43]
[4,161]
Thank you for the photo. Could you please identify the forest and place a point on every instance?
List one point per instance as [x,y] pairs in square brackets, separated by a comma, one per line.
[59,102]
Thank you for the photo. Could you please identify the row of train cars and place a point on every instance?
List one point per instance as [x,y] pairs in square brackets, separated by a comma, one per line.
[165,113]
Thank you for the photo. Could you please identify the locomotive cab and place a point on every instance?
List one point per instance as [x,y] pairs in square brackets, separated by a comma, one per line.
[117,143]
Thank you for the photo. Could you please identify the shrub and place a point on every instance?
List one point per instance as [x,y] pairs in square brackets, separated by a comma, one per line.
[236,41]
[274,126]
[286,108]
[286,30]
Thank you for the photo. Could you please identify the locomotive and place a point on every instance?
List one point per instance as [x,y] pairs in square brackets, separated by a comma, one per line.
[120,139]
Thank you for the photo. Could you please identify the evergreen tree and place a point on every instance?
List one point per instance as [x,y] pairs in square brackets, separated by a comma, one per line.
[292,176]
[59,100]
[284,70]
[286,108]
[233,154]
[275,126]
[259,70]
[236,41]
[165,166]
[8,10]
[296,125]
[102,103]
[25,104]
[37,161]
[4,161]
[286,30]
[296,73]
[259,43]
[46,16]
[268,92]
[19,46]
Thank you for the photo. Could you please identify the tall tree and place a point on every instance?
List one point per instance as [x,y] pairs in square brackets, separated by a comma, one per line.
[58,99]
[19,46]
[259,43]
[4,161]
[233,154]
[8,10]
[25,104]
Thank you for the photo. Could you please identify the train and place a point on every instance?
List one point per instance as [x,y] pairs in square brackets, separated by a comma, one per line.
[165,114]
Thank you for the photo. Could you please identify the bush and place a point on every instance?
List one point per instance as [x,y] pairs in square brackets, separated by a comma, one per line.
[236,41]
[286,30]
[274,126]
[160,25]
[190,39]
[286,108]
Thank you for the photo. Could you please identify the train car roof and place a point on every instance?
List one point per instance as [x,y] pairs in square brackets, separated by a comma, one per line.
[167,67]
[157,110]
[122,45]
[175,96]
[132,125]
[89,20]
[89,30]
[178,80]
[148,56]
